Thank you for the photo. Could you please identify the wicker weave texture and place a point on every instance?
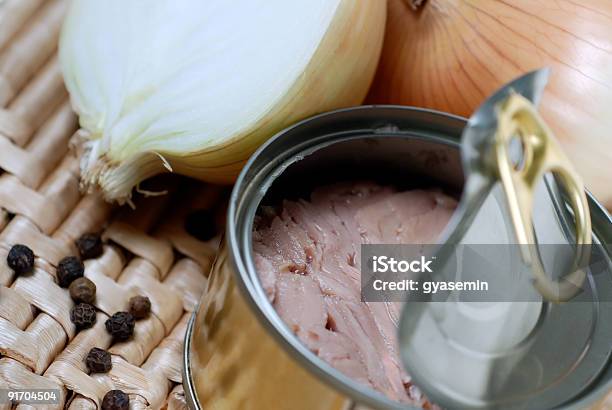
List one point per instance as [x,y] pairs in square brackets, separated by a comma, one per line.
[147,251]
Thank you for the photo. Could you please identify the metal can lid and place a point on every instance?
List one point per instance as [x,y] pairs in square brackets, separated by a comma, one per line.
[516,354]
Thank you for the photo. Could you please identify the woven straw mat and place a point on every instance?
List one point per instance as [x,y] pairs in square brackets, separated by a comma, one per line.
[147,251]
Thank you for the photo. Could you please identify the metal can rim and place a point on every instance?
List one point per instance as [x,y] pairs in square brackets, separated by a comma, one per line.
[289,342]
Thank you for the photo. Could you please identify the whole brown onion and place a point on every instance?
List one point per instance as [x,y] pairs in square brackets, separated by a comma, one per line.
[451,54]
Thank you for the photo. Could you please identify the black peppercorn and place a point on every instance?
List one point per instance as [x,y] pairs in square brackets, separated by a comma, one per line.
[83,315]
[140,307]
[98,360]
[20,259]
[120,326]
[89,246]
[68,269]
[83,290]
[116,400]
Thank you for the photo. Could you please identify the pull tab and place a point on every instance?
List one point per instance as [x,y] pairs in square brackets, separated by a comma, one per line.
[518,118]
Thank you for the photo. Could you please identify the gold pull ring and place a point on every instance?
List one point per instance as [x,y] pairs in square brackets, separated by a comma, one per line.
[517,118]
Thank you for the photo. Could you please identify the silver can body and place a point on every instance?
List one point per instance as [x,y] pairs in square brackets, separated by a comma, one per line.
[238,352]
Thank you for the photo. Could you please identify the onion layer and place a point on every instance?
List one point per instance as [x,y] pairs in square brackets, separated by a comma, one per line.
[194,87]
[453,53]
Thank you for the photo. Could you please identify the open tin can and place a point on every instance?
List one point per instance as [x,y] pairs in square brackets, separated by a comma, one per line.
[239,354]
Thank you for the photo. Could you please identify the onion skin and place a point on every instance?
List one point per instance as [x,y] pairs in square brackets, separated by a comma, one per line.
[452,54]
[338,75]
